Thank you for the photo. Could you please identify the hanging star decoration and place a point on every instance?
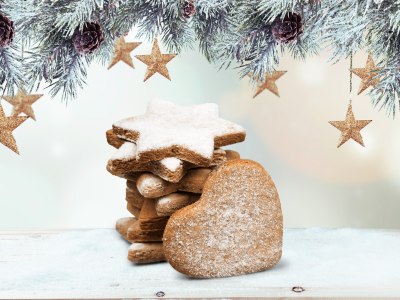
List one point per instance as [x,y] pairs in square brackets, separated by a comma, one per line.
[122,52]
[7,126]
[350,128]
[366,74]
[269,83]
[22,103]
[156,62]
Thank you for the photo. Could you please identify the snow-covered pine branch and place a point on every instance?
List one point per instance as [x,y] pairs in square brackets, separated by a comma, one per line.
[230,33]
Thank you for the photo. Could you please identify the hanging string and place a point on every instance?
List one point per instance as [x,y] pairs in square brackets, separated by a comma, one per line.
[351,75]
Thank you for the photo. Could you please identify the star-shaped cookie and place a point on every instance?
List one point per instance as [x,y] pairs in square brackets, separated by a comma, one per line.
[169,130]
[366,75]
[7,126]
[22,103]
[171,169]
[350,128]
[156,62]
[122,52]
[269,83]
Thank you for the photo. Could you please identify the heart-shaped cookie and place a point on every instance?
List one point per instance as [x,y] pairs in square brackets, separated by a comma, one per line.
[235,228]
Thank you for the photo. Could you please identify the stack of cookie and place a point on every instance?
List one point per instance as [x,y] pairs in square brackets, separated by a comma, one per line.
[166,156]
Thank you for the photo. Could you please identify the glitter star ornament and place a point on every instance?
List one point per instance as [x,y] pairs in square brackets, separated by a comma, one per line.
[350,128]
[7,126]
[156,62]
[366,75]
[122,52]
[269,83]
[22,103]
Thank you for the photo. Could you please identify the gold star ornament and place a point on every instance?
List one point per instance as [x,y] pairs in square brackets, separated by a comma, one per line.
[156,62]
[22,103]
[366,74]
[269,83]
[7,126]
[350,128]
[122,52]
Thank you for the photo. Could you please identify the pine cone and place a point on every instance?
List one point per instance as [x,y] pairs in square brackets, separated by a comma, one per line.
[89,40]
[289,29]
[188,9]
[7,31]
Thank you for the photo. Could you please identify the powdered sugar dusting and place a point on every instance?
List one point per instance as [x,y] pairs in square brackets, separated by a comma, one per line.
[166,125]
[139,246]
[169,204]
[122,221]
[171,163]
[128,152]
[164,200]
[235,228]
[148,183]
[125,152]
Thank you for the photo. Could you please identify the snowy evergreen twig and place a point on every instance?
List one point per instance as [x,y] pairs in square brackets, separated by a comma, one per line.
[229,33]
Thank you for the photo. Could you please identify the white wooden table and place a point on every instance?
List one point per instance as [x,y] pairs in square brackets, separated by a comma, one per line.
[91,264]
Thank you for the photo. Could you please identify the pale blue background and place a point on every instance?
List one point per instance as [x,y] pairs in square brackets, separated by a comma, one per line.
[60,180]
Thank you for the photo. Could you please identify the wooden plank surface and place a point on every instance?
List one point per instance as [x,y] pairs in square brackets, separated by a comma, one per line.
[172,289]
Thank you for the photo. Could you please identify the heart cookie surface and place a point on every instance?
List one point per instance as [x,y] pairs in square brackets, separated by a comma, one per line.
[235,228]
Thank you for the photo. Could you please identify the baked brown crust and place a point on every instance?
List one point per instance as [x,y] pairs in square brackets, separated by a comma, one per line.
[122,226]
[113,140]
[134,176]
[149,220]
[128,163]
[169,204]
[188,133]
[235,228]
[152,186]
[146,252]
[232,155]
[135,234]
[133,210]
[177,151]
[133,196]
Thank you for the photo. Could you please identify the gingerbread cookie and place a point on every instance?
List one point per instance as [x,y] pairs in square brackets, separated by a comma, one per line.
[169,204]
[133,210]
[134,176]
[152,186]
[188,133]
[231,155]
[133,196]
[113,140]
[146,252]
[149,220]
[235,228]
[123,225]
[135,234]
[170,169]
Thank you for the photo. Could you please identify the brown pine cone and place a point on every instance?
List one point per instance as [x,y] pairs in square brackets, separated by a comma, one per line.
[188,9]
[288,29]
[89,40]
[7,31]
